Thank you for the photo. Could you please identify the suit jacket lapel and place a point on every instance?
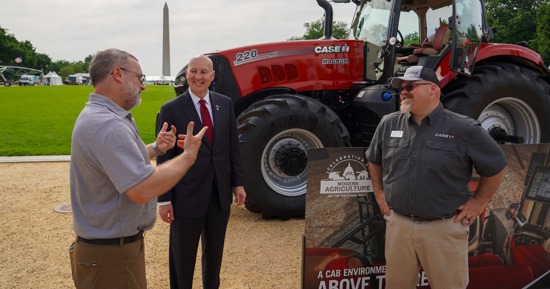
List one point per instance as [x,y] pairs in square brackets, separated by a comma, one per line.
[216,112]
[187,108]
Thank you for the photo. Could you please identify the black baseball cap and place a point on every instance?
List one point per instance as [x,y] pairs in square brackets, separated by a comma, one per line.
[414,73]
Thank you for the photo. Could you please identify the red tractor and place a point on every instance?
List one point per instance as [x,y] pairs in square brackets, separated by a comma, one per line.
[294,95]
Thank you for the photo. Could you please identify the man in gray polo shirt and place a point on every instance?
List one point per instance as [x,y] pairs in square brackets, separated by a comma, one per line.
[420,161]
[113,184]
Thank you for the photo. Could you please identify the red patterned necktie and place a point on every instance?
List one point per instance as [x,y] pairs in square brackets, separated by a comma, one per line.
[207,121]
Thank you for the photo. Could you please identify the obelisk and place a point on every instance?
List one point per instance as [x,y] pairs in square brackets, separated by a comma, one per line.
[165,43]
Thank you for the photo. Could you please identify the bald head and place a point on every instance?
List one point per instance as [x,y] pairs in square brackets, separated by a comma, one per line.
[200,74]
[202,58]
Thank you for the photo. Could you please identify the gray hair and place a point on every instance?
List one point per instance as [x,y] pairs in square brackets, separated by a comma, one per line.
[104,61]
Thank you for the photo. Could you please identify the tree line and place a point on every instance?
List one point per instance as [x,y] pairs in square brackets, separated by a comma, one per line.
[22,53]
[521,20]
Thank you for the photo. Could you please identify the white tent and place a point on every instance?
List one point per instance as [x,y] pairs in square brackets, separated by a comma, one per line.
[159,79]
[53,78]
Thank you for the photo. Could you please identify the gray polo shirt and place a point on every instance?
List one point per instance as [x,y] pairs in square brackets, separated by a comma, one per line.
[427,168]
[108,157]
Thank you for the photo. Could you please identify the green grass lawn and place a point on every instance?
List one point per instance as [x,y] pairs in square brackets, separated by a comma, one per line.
[38,120]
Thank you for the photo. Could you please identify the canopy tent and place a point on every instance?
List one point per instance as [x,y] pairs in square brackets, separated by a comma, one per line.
[53,79]
[159,79]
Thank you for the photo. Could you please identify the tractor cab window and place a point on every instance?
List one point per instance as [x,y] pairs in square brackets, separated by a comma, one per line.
[423,31]
[417,22]
[373,22]
[469,31]
[371,26]
[412,30]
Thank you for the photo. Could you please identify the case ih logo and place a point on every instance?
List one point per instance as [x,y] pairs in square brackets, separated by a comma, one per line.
[347,176]
[332,49]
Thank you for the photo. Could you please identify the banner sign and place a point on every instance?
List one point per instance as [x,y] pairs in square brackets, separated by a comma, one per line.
[345,232]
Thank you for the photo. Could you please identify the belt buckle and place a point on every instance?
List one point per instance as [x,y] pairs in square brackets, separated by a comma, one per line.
[419,219]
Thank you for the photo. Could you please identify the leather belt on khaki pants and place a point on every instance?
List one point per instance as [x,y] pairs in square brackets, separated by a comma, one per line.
[425,219]
[113,241]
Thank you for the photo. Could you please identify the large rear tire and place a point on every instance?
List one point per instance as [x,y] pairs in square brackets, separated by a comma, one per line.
[504,96]
[275,134]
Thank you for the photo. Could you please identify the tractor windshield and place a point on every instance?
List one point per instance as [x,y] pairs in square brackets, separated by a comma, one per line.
[377,25]
[372,24]
[469,34]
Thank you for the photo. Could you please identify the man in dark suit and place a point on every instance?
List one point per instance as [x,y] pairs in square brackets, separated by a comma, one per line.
[198,205]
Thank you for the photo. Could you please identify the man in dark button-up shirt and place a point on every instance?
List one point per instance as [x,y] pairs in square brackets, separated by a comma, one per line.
[421,160]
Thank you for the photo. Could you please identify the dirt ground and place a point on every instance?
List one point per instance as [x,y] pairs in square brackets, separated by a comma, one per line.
[34,246]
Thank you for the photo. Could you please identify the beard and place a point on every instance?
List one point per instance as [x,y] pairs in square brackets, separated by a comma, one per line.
[405,107]
[132,96]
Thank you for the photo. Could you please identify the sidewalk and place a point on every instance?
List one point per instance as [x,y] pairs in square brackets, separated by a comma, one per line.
[31,159]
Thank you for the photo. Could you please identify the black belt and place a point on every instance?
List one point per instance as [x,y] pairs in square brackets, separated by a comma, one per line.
[425,219]
[113,241]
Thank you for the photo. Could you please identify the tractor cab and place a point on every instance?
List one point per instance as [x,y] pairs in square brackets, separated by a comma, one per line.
[432,33]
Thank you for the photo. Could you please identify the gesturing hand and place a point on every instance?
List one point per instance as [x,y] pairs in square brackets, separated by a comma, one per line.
[191,143]
[166,139]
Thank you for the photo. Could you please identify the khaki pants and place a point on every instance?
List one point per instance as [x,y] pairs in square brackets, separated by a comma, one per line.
[108,267]
[440,247]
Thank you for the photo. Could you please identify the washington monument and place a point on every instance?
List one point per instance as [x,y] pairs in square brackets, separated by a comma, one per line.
[165,43]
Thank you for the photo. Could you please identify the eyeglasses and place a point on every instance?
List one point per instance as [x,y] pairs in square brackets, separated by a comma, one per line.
[141,76]
[409,87]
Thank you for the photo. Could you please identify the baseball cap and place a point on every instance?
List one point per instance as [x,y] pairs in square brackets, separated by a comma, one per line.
[415,73]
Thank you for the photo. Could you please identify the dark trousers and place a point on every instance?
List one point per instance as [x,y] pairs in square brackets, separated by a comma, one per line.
[184,239]
[108,266]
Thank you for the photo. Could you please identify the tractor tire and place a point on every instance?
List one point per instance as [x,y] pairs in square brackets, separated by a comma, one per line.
[275,134]
[506,97]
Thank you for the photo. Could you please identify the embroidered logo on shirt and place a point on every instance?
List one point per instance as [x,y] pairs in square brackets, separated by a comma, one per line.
[445,135]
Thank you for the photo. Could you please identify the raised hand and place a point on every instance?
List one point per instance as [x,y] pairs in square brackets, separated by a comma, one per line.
[166,139]
[189,142]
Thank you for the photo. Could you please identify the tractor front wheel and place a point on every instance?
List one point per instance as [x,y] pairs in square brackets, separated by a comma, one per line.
[275,134]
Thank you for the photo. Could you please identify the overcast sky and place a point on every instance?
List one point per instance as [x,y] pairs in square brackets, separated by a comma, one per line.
[72,30]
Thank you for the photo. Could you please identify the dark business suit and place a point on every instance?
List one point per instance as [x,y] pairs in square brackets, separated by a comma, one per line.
[202,198]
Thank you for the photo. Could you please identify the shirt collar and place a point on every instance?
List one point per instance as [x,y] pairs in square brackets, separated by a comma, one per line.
[101,100]
[436,115]
[432,118]
[196,98]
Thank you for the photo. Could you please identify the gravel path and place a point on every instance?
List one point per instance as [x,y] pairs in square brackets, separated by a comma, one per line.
[34,246]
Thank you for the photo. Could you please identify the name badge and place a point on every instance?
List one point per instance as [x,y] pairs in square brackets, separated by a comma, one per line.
[396,133]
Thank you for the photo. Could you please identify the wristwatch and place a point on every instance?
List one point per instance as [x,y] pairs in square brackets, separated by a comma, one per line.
[157,150]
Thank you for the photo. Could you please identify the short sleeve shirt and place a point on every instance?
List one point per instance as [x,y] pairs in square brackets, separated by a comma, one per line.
[427,167]
[108,157]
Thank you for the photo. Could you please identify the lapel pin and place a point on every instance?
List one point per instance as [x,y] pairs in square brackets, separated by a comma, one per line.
[217,107]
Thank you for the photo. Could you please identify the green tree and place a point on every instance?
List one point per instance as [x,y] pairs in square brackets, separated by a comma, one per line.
[66,71]
[58,65]
[11,48]
[411,38]
[42,61]
[515,20]
[314,30]
[542,41]
[87,62]
[8,45]
[520,20]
